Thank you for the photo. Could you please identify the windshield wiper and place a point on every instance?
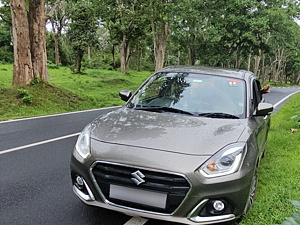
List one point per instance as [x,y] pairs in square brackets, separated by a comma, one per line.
[130,105]
[219,115]
[164,109]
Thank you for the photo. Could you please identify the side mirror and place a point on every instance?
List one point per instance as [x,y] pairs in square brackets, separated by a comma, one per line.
[125,95]
[263,109]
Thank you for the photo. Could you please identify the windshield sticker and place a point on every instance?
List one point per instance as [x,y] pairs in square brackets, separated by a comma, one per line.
[233,82]
[197,81]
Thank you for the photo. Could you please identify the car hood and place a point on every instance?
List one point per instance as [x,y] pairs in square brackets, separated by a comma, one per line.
[166,132]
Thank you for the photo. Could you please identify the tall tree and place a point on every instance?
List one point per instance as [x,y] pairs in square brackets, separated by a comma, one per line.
[284,37]
[190,25]
[59,12]
[126,21]
[82,31]
[161,14]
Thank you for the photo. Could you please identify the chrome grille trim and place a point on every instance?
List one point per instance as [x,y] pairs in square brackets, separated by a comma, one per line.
[138,168]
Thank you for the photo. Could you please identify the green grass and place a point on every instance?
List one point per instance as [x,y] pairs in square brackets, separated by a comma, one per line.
[101,86]
[279,170]
[6,72]
[66,91]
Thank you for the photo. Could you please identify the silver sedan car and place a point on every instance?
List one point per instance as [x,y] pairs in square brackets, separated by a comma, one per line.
[184,148]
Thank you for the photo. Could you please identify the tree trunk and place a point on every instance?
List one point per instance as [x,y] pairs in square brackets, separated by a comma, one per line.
[265,70]
[37,29]
[160,44]
[56,48]
[140,58]
[279,65]
[78,61]
[58,11]
[160,56]
[249,62]
[264,73]
[192,51]
[89,53]
[192,55]
[56,43]
[237,59]
[113,57]
[257,63]
[297,81]
[23,72]
[124,52]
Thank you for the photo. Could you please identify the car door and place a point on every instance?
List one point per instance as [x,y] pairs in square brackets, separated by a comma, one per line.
[262,122]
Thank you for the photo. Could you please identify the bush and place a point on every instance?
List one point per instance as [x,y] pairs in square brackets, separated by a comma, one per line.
[52,65]
[6,55]
[296,118]
[26,97]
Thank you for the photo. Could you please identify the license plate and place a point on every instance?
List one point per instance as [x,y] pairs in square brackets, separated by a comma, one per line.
[149,198]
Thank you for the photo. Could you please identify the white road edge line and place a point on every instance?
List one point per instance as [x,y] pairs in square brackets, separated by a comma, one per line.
[136,221]
[58,114]
[37,143]
[282,100]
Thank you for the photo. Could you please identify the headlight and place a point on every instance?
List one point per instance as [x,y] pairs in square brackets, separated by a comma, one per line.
[83,142]
[227,161]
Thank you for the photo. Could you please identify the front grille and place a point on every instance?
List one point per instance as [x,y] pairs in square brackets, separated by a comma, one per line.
[175,186]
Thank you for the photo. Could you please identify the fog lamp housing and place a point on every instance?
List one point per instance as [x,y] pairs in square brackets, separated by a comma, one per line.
[81,188]
[79,182]
[215,207]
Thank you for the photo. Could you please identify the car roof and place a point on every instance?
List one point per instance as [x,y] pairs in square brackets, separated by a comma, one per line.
[236,73]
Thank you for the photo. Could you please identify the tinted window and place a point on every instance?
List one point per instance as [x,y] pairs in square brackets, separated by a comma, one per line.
[257,97]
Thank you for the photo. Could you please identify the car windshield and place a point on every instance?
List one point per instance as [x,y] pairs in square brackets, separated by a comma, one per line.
[194,94]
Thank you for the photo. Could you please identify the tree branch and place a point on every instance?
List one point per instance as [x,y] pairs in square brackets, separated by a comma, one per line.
[52,11]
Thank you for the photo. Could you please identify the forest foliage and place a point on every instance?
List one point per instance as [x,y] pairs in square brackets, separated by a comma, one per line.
[260,36]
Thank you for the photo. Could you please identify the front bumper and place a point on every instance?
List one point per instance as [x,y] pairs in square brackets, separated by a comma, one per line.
[234,189]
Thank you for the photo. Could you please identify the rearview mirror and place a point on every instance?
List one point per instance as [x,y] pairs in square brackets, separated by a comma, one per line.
[263,109]
[125,95]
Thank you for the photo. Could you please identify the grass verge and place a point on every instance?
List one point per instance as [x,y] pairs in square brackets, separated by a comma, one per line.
[279,170]
[65,92]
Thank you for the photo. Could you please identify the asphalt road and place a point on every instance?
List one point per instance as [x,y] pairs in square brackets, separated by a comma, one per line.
[35,184]
[278,96]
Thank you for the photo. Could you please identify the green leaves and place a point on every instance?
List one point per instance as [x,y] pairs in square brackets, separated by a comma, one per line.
[295,218]
[296,118]
[26,97]
[82,29]
[296,204]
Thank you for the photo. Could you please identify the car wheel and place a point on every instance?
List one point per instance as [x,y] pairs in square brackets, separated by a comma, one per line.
[252,193]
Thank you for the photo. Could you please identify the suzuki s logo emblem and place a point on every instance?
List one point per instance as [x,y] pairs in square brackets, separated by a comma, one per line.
[138,177]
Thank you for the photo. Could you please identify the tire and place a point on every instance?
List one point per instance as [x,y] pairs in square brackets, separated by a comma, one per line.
[253,190]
